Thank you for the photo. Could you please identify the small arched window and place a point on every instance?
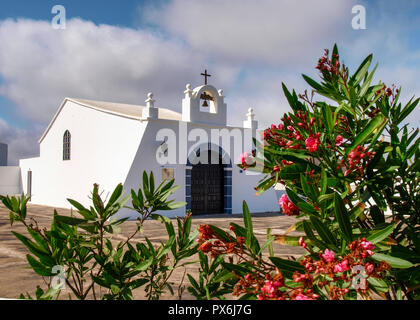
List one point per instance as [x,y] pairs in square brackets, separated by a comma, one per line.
[66,145]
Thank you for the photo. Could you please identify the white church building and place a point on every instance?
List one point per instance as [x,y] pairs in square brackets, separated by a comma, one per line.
[109,143]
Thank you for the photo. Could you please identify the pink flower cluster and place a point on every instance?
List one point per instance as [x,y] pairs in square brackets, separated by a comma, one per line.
[291,136]
[339,269]
[270,289]
[328,255]
[313,142]
[287,206]
[326,65]
[246,160]
[339,140]
[357,160]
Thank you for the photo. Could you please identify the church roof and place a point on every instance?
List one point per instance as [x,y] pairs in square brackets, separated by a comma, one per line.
[128,110]
[119,109]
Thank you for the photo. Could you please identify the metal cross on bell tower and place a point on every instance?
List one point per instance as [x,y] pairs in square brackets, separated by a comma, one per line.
[205,74]
[204,96]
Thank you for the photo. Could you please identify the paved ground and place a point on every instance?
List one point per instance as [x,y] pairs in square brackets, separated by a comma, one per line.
[17,278]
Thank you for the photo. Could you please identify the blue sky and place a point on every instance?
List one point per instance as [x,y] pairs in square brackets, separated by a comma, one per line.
[120,50]
[112,12]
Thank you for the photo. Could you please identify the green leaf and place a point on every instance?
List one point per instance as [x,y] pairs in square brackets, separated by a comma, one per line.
[37,250]
[311,236]
[342,217]
[292,172]
[224,275]
[313,83]
[221,233]
[327,114]
[115,289]
[378,236]
[38,267]
[393,261]
[287,267]
[407,110]
[323,231]
[248,223]
[240,269]
[70,220]
[378,284]
[175,205]
[324,181]
[40,240]
[289,97]
[361,71]
[144,264]
[193,282]
[167,246]
[115,196]
[300,203]
[268,243]
[81,209]
[373,124]
[152,182]
[264,186]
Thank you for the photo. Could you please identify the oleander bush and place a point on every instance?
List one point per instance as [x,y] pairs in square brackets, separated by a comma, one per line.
[350,166]
[90,263]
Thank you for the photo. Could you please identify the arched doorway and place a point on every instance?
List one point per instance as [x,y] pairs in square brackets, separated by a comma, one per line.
[207,187]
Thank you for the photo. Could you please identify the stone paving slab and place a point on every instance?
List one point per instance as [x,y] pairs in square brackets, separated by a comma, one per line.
[16,277]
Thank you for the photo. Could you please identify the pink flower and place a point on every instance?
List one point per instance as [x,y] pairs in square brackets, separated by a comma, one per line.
[286,163]
[339,140]
[367,245]
[312,121]
[369,267]
[328,255]
[270,288]
[302,243]
[287,206]
[245,159]
[341,267]
[301,296]
[312,144]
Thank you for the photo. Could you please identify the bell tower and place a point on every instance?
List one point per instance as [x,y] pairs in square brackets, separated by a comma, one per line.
[204,104]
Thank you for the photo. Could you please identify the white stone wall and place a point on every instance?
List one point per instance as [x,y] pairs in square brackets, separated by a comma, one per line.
[10,181]
[242,184]
[102,150]
[108,149]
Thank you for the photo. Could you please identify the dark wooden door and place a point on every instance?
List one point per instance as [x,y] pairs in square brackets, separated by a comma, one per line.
[207,194]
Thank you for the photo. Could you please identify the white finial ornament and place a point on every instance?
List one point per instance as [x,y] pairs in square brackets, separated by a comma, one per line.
[150,102]
[250,121]
[221,93]
[250,114]
[150,112]
[189,91]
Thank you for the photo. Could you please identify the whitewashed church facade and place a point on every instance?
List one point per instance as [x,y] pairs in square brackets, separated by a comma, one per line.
[108,143]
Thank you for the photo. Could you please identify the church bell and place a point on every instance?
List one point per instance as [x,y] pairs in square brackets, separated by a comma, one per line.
[205,104]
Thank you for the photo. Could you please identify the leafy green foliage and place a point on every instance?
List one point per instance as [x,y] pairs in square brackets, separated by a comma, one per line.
[346,162]
[92,262]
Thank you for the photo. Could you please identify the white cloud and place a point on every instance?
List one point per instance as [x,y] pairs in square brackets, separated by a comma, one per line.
[274,31]
[40,65]
[21,142]
[249,47]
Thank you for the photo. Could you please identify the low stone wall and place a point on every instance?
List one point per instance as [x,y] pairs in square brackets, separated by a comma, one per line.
[10,181]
